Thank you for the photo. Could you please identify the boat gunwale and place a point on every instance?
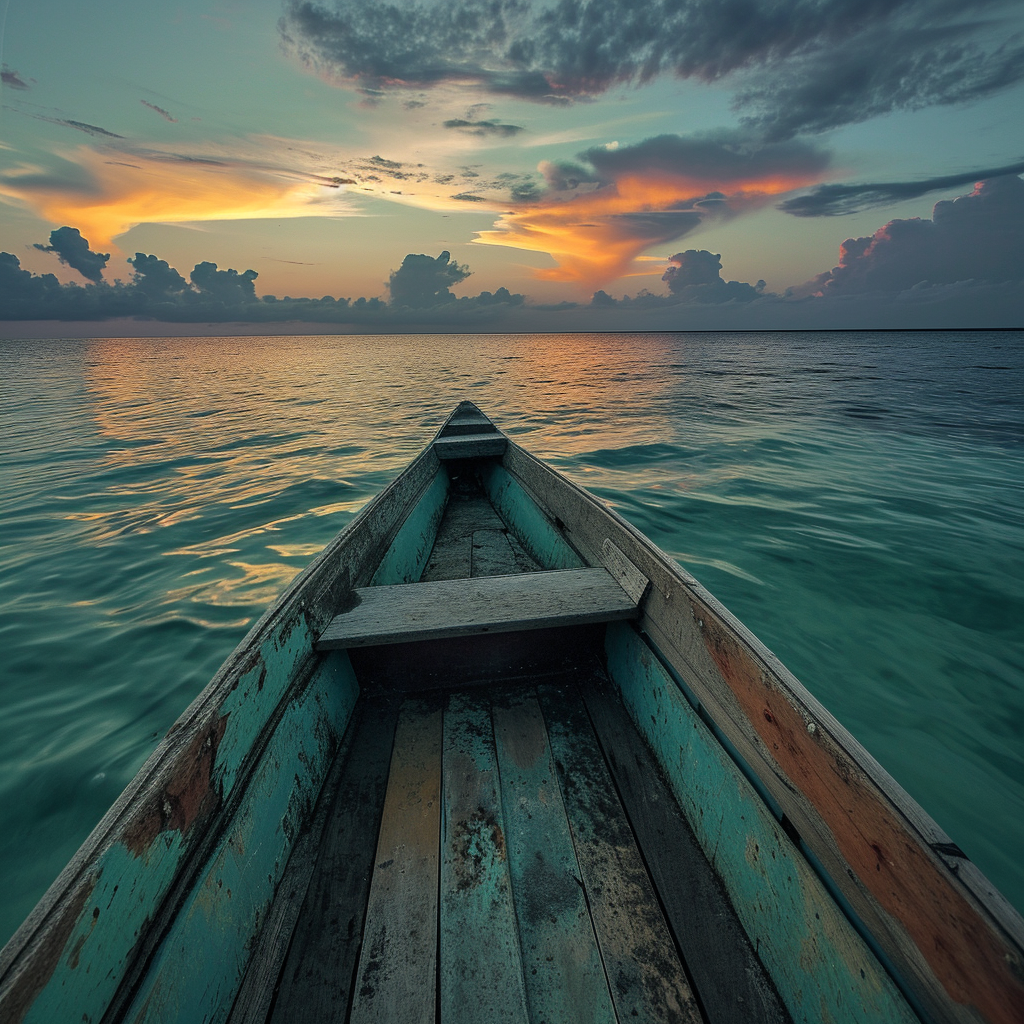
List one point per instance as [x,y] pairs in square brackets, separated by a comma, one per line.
[313,595]
[963,877]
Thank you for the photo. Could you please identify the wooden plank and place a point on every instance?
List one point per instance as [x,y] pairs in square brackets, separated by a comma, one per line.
[396,978]
[626,574]
[952,940]
[818,962]
[467,510]
[490,604]
[645,975]
[467,418]
[565,979]
[730,981]
[316,978]
[468,423]
[138,863]
[471,446]
[493,554]
[252,1004]
[481,974]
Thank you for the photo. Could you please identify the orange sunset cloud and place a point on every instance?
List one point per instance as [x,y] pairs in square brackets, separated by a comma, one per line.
[133,189]
[596,236]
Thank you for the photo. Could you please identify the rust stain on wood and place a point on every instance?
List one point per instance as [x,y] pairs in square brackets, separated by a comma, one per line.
[46,956]
[189,796]
[960,947]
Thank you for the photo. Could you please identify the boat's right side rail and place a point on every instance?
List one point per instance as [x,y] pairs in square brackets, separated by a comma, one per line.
[954,943]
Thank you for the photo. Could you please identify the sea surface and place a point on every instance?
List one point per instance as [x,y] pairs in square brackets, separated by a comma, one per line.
[855,498]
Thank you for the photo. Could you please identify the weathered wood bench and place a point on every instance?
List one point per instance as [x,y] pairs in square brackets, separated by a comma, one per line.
[486,604]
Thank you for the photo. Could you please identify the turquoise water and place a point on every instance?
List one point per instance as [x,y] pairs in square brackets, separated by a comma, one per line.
[854,498]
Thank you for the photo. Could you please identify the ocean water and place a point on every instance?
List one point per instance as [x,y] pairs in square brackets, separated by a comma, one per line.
[856,499]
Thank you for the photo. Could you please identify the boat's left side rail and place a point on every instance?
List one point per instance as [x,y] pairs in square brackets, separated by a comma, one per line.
[226,790]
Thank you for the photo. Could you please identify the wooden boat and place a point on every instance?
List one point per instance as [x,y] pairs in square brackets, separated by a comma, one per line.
[494,757]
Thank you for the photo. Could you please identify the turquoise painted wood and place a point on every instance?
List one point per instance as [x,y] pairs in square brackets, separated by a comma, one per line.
[479,980]
[562,967]
[128,881]
[823,970]
[201,962]
[531,527]
[406,558]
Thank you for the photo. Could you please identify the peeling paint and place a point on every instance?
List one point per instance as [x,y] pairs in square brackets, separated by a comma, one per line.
[809,948]
[959,946]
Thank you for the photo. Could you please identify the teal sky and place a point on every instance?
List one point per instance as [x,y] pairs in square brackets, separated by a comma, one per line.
[197,131]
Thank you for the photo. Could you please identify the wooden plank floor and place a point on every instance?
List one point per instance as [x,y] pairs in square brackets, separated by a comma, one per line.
[513,856]
[472,539]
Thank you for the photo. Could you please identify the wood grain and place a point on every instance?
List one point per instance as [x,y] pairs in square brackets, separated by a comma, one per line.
[491,604]
[731,982]
[252,1004]
[316,978]
[481,975]
[396,978]
[645,975]
[565,979]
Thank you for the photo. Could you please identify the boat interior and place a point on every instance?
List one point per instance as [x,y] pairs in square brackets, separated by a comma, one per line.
[501,845]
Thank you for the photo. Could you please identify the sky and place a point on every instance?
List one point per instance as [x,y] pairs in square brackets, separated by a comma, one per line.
[539,164]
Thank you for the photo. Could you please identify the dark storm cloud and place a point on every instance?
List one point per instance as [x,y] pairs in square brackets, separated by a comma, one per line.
[426,281]
[482,128]
[159,110]
[801,65]
[73,251]
[725,156]
[838,200]
[880,70]
[11,78]
[695,276]
[978,237]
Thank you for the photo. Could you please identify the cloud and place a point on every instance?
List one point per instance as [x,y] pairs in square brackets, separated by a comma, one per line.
[482,128]
[978,237]
[159,110]
[603,210]
[11,78]
[839,200]
[695,276]
[420,296]
[73,251]
[425,281]
[800,65]
[108,197]
[225,286]
[892,65]
[80,126]
[157,279]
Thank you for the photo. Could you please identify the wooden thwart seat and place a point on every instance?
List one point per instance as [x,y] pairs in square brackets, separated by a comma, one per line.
[478,445]
[489,604]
